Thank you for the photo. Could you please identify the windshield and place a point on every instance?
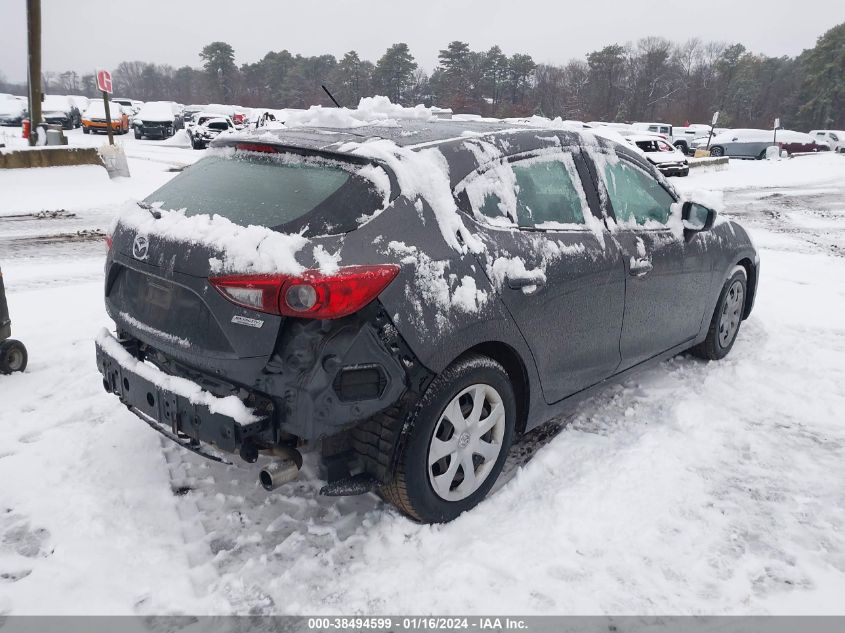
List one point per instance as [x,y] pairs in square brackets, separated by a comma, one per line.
[655,146]
[280,191]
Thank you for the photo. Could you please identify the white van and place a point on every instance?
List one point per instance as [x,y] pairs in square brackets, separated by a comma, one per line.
[834,138]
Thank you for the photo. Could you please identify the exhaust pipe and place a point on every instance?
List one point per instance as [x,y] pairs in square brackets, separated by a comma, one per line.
[281,471]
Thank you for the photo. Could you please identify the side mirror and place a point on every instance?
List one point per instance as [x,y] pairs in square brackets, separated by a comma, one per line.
[697,217]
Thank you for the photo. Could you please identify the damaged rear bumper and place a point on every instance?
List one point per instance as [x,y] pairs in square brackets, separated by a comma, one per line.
[193,420]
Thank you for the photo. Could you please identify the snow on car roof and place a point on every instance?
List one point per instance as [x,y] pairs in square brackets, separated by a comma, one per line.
[154,109]
[55,102]
[755,135]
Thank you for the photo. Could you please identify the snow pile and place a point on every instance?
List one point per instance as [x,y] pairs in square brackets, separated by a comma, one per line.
[244,249]
[229,406]
[376,110]
[180,138]
[821,168]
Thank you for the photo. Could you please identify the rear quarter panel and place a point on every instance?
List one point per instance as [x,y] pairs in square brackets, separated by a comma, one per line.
[441,302]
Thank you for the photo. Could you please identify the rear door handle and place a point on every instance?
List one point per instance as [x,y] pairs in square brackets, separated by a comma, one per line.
[516,282]
[640,267]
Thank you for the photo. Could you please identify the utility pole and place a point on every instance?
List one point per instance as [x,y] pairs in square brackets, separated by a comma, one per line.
[33,27]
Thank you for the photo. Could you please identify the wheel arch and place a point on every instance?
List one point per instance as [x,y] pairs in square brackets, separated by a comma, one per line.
[750,284]
[517,371]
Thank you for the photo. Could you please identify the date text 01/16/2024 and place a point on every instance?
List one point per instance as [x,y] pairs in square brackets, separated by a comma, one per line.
[422,623]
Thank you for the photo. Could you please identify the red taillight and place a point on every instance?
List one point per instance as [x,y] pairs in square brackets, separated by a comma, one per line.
[312,294]
[109,242]
[257,292]
[256,147]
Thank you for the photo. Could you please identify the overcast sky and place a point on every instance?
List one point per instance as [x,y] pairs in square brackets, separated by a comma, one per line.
[83,35]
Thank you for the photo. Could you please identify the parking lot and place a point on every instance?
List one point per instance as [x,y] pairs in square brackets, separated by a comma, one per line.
[694,487]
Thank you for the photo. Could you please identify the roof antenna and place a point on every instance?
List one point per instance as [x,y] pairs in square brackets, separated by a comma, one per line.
[330,95]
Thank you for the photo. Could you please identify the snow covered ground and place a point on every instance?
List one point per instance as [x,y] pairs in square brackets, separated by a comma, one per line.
[693,488]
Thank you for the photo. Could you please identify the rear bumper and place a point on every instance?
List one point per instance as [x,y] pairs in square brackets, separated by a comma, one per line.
[156,130]
[195,422]
[102,125]
[673,169]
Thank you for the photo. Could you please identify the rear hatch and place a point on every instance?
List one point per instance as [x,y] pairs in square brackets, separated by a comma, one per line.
[158,288]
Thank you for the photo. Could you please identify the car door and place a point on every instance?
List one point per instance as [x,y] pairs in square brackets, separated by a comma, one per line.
[553,264]
[668,272]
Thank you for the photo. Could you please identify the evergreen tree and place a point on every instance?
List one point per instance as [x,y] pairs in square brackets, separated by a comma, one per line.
[219,65]
[822,93]
[351,79]
[394,73]
[495,75]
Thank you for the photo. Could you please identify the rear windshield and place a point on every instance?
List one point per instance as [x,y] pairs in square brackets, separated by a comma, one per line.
[284,192]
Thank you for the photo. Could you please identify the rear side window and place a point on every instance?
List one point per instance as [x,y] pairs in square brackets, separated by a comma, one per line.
[546,194]
[280,191]
[540,192]
[636,196]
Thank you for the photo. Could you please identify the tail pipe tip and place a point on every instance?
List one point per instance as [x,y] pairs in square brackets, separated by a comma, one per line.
[281,471]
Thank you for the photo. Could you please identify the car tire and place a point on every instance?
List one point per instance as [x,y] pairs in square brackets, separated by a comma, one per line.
[138,134]
[449,420]
[726,319]
[717,151]
[13,356]
[85,130]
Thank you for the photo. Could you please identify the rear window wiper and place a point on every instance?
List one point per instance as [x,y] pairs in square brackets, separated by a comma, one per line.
[153,212]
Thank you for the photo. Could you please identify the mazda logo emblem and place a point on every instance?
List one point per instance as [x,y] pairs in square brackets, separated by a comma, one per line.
[141,247]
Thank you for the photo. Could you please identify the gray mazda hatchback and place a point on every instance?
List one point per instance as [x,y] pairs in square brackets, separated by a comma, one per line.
[406,300]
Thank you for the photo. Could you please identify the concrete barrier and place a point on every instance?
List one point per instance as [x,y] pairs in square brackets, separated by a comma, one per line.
[50,157]
[714,162]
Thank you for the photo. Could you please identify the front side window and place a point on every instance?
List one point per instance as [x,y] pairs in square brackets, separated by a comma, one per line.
[635,195]
[833,137]
[539,192]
